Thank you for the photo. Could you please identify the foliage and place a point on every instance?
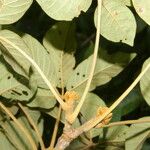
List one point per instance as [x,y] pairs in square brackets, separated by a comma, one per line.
[46,49]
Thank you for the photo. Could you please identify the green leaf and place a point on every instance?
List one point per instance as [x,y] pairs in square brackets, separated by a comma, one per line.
[11,88]
[43,99]
[143,9]
[4,142]
[112,134]
[43,59]
[13,10]
[61,45]
[131,102]
[92,104]
[145,83]
[107,66]
[118,23]
[64,10]
[14,133]
[20,64]
[137,134]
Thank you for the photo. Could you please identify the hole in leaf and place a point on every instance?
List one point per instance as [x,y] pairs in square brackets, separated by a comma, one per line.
[78,73]
[15,92]
[25,93]
[72,86]
[59,79]
[83,75]
[8,77]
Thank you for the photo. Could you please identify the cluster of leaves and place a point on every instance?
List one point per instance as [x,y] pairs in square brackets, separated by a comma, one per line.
[64,55]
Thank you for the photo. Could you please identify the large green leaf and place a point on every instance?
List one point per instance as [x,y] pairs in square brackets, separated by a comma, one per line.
[145,83]
[64,10]
[13,10]
[16,136]
[107,67]
[142,7]
[60,43]
[43,59]
[118,23]
[43,99]
[11,88]
[12,56]
[137,134]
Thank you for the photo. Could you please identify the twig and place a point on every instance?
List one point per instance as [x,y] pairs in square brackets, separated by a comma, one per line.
[119,123]
[33,125]
[20,126]
[72,117]
[51,147]
[53,90]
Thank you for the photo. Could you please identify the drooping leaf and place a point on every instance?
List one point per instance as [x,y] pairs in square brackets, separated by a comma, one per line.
[117,22]
[17,136]
[43,59]
[145,83]
[43,99]
[137,134]
[143,9]
[20,64]
[13,10]
[4,142]
[64,10]
[107,67]
[60,43]
[11,88]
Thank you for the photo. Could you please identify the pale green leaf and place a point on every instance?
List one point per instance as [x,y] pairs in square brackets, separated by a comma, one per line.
[42,58]
[136,135]
[118,23]
[64,10]
[112,134]
[16,136]
[4,142]
[43,99]
[145,83]
[60,43]
[11,88]
[107,66]
[78,144]
[12,10]
[142,7]
[20,64]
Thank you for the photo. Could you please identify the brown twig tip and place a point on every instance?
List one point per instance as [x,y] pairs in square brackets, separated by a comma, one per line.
[71,96]
[100,112]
